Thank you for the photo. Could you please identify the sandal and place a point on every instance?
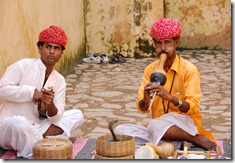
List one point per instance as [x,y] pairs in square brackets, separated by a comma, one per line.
[113,59]
[119,58]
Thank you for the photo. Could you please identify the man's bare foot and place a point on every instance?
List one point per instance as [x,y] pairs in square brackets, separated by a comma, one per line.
[205,142]
[53,130]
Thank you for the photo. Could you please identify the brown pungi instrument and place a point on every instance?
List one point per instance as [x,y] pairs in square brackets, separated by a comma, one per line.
[159,76]
[53,148]
[42,107]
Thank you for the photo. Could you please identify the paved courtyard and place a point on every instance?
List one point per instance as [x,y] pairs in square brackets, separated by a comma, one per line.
[104,92]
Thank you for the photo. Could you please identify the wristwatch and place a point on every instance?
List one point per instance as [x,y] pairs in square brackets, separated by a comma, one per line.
[180,102]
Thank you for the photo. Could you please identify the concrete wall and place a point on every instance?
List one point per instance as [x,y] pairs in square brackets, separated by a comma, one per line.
[109,26]
[23,20]
[123,25]
[206,24]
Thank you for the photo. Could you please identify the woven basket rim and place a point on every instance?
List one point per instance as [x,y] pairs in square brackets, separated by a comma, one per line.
[53,148]
[115,149]
[103,138]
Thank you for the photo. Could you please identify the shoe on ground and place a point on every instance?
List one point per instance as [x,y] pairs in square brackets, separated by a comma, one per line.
[104,58]
[94,58]
[117,58]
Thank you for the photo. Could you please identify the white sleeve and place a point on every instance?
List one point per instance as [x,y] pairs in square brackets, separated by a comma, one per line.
[9,85]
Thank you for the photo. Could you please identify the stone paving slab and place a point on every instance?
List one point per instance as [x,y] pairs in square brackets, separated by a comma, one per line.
[104,92]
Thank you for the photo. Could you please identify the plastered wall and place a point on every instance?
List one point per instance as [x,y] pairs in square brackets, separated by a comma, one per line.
[206,24]
[122,26]
[109,26]
[23,20]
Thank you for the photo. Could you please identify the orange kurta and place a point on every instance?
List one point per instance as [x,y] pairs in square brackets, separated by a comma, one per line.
[186,86]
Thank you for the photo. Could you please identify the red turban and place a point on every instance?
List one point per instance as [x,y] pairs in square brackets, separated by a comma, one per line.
[53,34]
[165,28]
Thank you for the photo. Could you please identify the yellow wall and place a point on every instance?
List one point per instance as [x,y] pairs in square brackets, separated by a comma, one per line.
[117,24]
[206,24]
[108,26]
[23,20]
[124,25]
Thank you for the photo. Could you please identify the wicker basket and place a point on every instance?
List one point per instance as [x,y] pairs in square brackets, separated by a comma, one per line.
[53,148]
[124,147]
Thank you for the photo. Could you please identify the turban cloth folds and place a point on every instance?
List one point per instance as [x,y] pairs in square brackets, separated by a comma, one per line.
[165,28]
[53,34]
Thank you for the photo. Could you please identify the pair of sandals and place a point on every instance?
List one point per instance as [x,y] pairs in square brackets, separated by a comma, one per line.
[118,58]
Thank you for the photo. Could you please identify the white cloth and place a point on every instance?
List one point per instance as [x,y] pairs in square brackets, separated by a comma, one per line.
[157,128]
[20,125]
[17,89]
[19,134]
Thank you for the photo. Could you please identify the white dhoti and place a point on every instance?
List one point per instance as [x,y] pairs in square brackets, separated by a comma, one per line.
[157,128]
[19,134]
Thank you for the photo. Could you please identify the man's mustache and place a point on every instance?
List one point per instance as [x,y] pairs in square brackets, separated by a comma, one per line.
[164,51]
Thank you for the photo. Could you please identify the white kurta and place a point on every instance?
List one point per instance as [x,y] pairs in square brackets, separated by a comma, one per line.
[20,125]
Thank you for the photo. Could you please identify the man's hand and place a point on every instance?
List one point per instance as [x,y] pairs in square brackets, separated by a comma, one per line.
[47,98]
[147,93]
[160,91]
[144,103]
[37,96]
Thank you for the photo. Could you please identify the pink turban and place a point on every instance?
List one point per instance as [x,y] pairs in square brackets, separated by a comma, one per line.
[165,28]
[53,34]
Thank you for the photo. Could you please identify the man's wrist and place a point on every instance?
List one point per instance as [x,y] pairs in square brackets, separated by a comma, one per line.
[177,102]
[180,103]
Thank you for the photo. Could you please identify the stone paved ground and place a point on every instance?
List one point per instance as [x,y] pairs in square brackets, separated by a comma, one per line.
[104,92]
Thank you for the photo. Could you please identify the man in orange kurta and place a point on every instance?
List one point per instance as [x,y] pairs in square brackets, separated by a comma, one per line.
[186,86]
[173,104]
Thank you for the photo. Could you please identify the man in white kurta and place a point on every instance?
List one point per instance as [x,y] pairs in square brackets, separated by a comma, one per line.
[20,124]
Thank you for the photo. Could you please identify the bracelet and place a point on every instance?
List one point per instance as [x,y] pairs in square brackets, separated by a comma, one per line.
[180,102]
